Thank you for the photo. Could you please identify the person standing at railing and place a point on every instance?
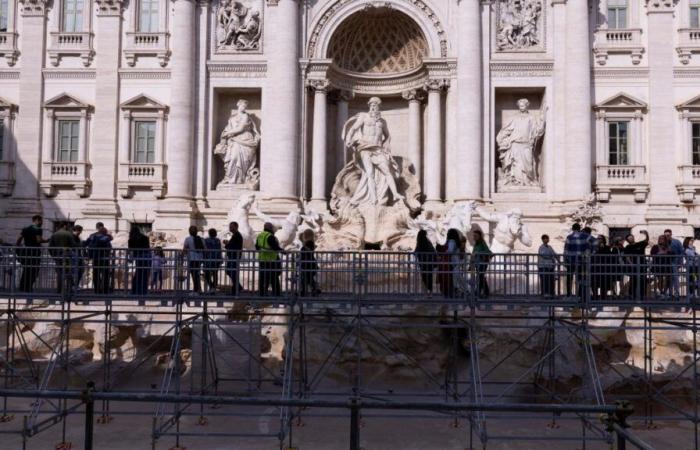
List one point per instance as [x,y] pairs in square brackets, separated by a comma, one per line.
[661,266]
[234,247]
[99,246]
[481,255]
[576,247]
[449,270]
[140,253]
[427,256]
[691,264]
[193,250]
[270,266]
[30,256]
[676,250]
[602,269]
[308,266]
[78,257]
[61,247]
[637,265]
[157,264]
[546,265]
[212,261]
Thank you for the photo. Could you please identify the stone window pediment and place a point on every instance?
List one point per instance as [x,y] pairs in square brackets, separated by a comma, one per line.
[621,102]
[144,103]
[65,101]
[692,105]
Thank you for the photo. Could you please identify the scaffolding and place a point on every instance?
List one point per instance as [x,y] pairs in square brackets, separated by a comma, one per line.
[370,309]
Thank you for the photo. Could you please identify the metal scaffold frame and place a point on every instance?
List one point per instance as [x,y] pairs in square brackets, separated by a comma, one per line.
[365,298]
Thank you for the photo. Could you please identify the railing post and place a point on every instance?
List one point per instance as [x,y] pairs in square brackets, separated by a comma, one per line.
[354,425]
[89,414]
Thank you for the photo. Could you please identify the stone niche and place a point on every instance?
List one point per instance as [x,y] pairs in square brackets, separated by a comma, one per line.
[506,109]
[225,101]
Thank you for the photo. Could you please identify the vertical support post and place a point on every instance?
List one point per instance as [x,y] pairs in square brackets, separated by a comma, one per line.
[89,415]
[354,425]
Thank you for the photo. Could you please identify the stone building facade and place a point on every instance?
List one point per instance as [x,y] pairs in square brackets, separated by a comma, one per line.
[112,110]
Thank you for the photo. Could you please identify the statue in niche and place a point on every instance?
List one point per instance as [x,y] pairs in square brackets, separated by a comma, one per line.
[367,135]
[238,26]
[517,143]
[518,24]
[509,229]
[238,148]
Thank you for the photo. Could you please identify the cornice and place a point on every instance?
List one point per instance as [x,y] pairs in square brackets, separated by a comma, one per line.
[248,69]
[503,69]
[141,74]
[9,74]
[80,74]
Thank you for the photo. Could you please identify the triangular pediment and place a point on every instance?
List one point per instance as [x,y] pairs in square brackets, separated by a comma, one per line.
[5,104]
[621,101]
[693,103]
[142,101]
[65,101]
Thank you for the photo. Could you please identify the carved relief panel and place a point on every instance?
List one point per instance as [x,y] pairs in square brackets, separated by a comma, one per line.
[520,25]
[238,26]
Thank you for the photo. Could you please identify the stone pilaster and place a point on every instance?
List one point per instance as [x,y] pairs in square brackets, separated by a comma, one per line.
[578,111]
[468,153]
[279,155]
[432,158]
[103,153]
[414,97]
[319,143]
[25,198]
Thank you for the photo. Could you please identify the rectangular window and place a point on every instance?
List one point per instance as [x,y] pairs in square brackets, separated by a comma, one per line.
[618,143]
[694,14]
[148,16]
[2,139]
[72,16]
[145,142]
[68,137]
[695,143]
[617,14]
[618,233]
[4,14]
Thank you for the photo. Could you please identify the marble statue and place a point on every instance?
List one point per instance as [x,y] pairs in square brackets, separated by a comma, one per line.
[458,217]
[239,213]
[238,147]
[286,229]
[517,143]
[367,136]
[518,24]
[509,229]
[238,26]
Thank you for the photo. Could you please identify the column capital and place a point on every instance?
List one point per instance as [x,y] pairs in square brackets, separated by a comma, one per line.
[33,7]
[660,6]
[436,84]
[106,8]
[413,95]
[318,85]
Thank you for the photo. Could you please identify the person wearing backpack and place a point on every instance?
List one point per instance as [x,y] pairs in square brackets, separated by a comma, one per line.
[194,254]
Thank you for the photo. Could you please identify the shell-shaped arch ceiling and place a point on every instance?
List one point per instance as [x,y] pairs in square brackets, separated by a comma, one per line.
[378,41]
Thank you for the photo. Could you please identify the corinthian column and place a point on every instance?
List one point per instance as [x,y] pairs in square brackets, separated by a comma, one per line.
[319,147]
[578,100]
[432,167]
[279,157]
[181,119]
[467,156]
[25,197]
[414,98]
[104,149]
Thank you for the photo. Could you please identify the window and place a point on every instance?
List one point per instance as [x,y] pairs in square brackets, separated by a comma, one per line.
[4,14]
[145,141]
[72,16]
[695,143]
[694,13]
[617,14]
[618,143]
[68,132]
[618,233]
[144,227]
[148,16]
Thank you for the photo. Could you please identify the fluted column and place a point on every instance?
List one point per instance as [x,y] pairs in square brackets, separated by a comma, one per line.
[319,147]
[105,136]
[279,161]
[467,156]
[578,100]
[414,98]
[342,115]
[432,167]
[29,120]
[181,119]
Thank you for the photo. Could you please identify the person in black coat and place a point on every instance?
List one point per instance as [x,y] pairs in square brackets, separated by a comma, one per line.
[308,265]
[636,265]
[234,247]
[140,253]
[427,256]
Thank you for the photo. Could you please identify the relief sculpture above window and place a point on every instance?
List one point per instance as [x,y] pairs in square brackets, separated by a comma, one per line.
[519,25]
[238,26]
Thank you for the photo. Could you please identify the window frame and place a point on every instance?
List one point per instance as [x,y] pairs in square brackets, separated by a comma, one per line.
[5,12]
[59,137]
[618,139]
[133,157]
[154,25]
[694,8]
[77,13]
[615,10]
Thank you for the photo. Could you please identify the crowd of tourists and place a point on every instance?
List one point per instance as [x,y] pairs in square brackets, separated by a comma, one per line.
[589,265]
